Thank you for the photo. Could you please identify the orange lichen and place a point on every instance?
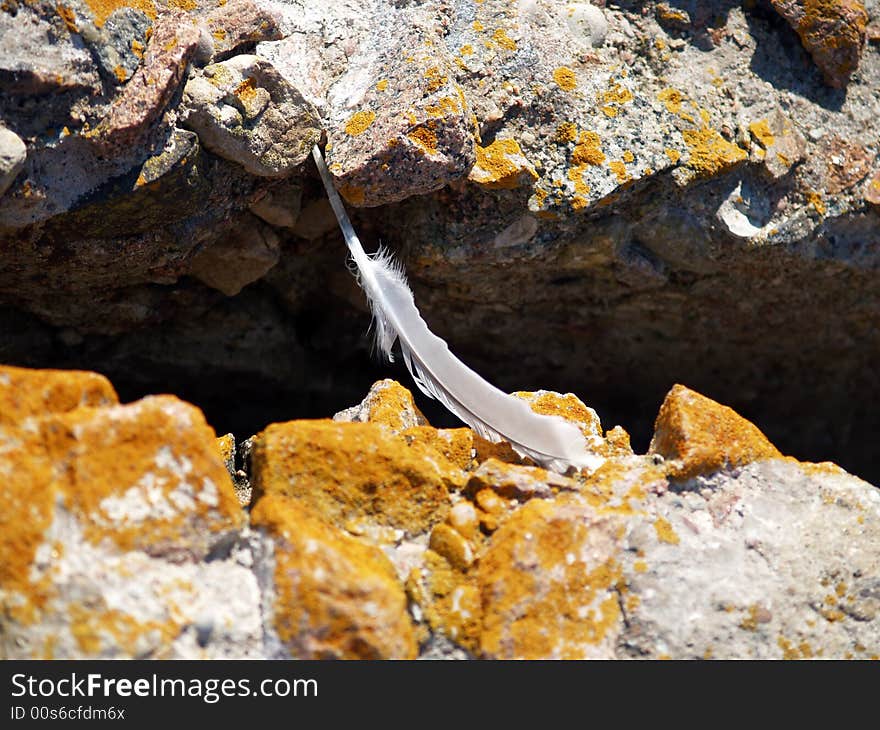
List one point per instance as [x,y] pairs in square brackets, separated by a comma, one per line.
[627,156]
[665,532]
[672,100]
[94,630]
[815,200]
[219,34]
[478,26]
[466,50]
[137,48]
[565,78]
[445,105]
[447,542]
[673,154]
[566,132]
[760,130]
[425,139]
[68,16]
[120,73]
[588,150]
[710,153]
[359,122]
[640,566]
[345,471]
[336,597]
[436,78]
[502,165]
[697,436]
[619,170]
[454,444]
[548,585]
[102,9]
[502,39]
[382,85]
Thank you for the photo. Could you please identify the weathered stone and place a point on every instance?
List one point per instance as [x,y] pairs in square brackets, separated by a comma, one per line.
[278,205]
[109,512]
[401,124]
[518,482]
[548,584]
[778,144]
[832,32]
[237,23]
[243,255]
[243,110]
[389,404]
[776,560]
[335,598]
[698,436]
[13,153]
[145,97]
[351,473]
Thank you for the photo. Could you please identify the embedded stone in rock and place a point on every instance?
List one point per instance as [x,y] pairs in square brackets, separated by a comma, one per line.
[239,22]
[146,95]
[777,143]
[334,596]
[400,125]
[244,111]
[388,403]
[512,481]
[351,473]
[699,436]
[240,257]
[832,32]
[778,560]
[548,584]
[13,153]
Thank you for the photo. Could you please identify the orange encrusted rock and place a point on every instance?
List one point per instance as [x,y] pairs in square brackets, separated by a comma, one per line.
[335,597]
[698,436]
[350,471]
[27,393]
[549,584]
[388,403]
[455,444]
[568,406]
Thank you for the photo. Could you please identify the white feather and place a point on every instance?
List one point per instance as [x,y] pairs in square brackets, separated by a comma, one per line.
[551,441]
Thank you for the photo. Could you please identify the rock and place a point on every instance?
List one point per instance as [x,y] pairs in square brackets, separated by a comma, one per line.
[247,251]
[502,165]
[239,23]
[402,126]
[389,404]
[279,205]
[586,22]
[518,482]
[774,558]
[872,190]
[150,90]
[335,598]
[778,144]
[355,475]
[120,41]
[698,436]
[549,584]
[13,153]
[110,512]
[832,32]
[243,110]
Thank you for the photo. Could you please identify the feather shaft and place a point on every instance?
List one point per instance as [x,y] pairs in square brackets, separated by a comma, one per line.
[551,441]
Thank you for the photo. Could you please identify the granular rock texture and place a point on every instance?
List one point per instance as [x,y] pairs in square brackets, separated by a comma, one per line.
[376,539]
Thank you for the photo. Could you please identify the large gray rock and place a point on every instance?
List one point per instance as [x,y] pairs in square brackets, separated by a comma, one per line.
[13,153]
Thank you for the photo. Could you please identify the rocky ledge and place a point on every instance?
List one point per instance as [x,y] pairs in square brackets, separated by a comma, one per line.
[130,530]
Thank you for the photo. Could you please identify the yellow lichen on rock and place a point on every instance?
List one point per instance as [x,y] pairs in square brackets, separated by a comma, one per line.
[359,122]
[698,436]
[568,406]
[588,150]
[502,165]
[350,471]
[455,444]
[548,584]
[760,130]
[565,78]
[335,597]
[103,9]
[710,153]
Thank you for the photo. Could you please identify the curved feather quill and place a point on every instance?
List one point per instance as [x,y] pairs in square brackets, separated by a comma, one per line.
[551,441]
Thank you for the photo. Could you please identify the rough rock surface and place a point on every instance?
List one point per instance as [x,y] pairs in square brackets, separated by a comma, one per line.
[373,538]
[607,198]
